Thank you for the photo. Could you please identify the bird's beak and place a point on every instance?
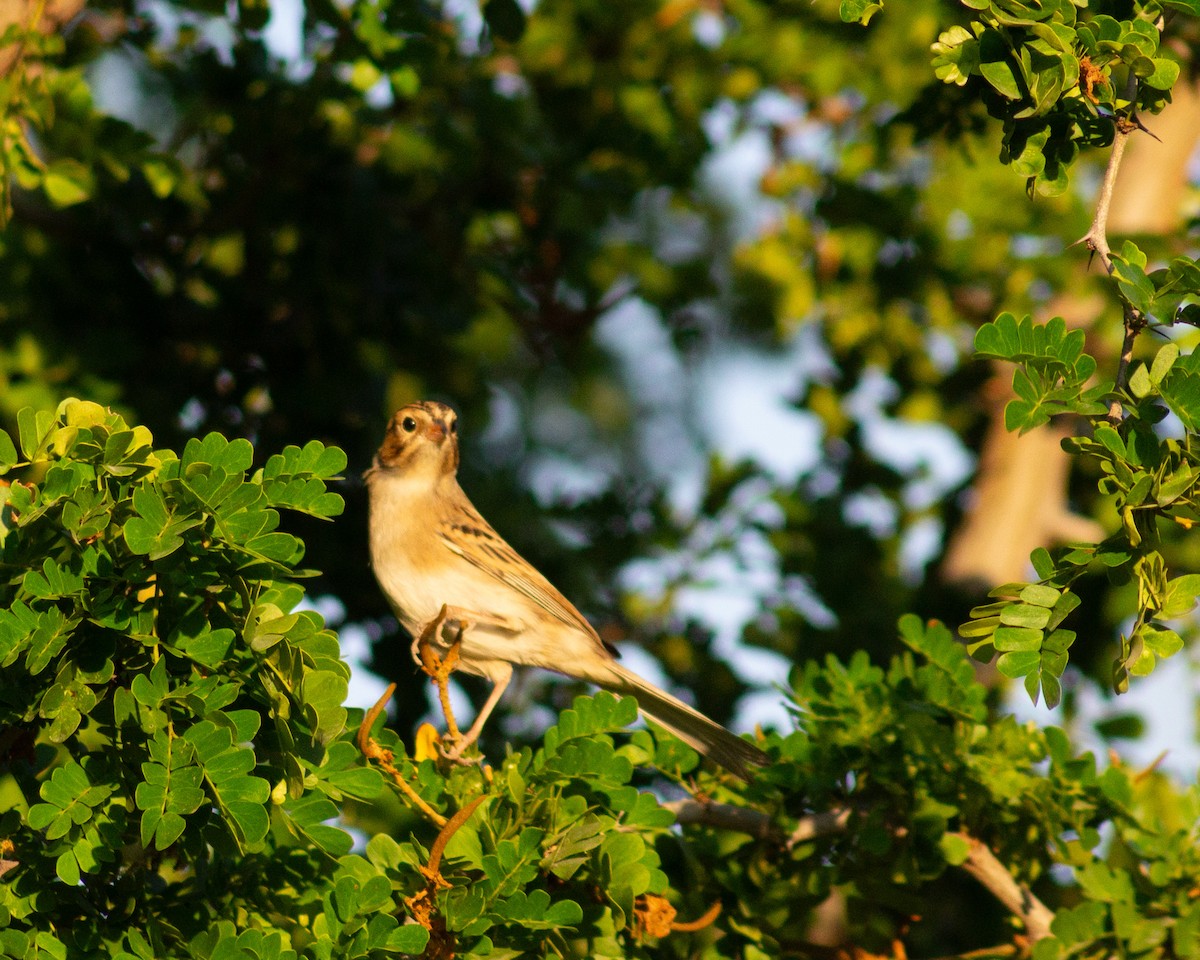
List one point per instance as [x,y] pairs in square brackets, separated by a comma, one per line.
[435,431]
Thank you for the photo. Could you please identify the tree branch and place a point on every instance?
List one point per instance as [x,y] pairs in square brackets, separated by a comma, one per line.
[1096,239]
[1135,323]
[981,863]
[725,816]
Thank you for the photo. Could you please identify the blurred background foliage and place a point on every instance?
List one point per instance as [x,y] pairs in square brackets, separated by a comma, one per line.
[701,278]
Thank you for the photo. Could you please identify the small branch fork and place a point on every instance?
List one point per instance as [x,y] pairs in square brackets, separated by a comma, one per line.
[981,863]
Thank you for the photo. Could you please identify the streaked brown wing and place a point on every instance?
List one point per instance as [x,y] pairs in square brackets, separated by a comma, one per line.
[467,534]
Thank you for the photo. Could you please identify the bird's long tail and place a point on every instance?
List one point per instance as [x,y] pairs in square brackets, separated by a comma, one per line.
[706,736]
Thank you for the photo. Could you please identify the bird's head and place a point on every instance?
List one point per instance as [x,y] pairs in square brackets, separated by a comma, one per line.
[421,438]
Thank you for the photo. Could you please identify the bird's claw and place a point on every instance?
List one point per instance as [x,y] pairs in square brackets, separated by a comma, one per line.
[454,753]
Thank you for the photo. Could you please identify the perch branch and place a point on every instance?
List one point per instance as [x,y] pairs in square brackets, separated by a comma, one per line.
[981,863]
[724,816]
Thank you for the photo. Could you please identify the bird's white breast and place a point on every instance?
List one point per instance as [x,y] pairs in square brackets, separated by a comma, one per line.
[416,569]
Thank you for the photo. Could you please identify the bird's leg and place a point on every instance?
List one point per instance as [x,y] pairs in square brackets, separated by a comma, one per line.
[500,677]
[439,668]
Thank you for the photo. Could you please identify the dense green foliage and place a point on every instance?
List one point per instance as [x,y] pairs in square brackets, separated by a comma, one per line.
[176,729]
[532,213]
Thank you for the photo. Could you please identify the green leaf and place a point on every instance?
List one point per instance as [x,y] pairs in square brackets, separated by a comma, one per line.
[162,174]
[955,848]
[8,453]
[1040,595]
[48,639]
[1017,639]
[1163,361]
[32,426]
[534,911]
[1174,486]
[1132,281]
[1023,615]
[1163,75]
[67,868]
[858,11]
[998,339]
[1161,642]
[1043,563]
[409,938]
[1101,882]
[997,66]
[957,56]
[1110,439]
[1180,596]
[1140,384]
[1131,726]
[1018,664]
[1085,923]
[67,182]
[1181,391]
[155,531]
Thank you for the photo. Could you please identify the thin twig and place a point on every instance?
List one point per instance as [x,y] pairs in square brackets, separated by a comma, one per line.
[449,828]
[705,919]
[422,905]
[384,757]
[1134,323]
[987,953]
[1096,239]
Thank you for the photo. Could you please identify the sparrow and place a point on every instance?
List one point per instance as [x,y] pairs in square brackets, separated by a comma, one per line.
[450,577]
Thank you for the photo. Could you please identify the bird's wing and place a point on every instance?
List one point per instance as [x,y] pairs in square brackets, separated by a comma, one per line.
[467,534]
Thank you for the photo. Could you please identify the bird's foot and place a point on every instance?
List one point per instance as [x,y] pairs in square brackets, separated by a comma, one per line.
[438,667]
[453,751]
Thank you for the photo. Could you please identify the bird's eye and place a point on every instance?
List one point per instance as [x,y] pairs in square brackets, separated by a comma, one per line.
[409,424]
[454,426]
